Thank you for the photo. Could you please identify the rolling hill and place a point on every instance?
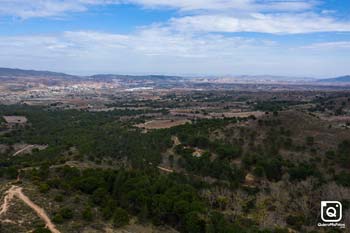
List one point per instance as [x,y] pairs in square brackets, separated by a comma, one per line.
[341,79]
[9,72]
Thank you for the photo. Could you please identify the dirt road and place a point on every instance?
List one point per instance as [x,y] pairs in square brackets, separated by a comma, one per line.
[24,149]
[165,169]
[17,191]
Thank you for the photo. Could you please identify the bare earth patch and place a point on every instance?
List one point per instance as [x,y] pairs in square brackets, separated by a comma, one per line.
[243,114]
[162,124]
[198,152]
[336,118]
[26,149]
[214,115]
[15,119]
[3,148]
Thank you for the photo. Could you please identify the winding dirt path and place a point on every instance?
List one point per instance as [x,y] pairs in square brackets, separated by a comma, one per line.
[165,169]
[17,191]
[23,149]
[7,199]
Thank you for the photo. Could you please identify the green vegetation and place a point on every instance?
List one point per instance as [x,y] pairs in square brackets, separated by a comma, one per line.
[275,105]
[343,179]
[87,214]
[302,171]
[115,179]
[41,230]
[95,135]
[120,217]
[343,153]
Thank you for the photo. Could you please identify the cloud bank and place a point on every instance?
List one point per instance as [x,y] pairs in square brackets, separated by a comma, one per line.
[205,37]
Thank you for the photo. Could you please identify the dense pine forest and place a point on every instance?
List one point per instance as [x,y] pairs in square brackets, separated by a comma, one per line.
[123,181]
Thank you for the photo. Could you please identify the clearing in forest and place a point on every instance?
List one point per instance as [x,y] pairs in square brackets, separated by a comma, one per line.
[162,124]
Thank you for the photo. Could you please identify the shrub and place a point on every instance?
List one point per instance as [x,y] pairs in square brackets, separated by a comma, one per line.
[41,230]
[343,179]
[343,153]
[11,173]
[120,217]
[107,212]
[296,221]
[58,198]
[259,171]
[301,172]
[273,169]
[44,187]
[87,214]
[99,196]
[310,141]
[193,223]
[225,151]
[66,213]
[58,218]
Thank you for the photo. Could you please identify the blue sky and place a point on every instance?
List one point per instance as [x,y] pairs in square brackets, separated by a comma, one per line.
[182,37]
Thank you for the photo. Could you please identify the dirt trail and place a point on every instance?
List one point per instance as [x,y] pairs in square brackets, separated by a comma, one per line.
[21,150]
[7,199]
[175,140]
[165,169]
[17,191]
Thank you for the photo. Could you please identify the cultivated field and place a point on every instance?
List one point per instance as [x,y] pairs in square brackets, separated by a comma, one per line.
[162,124]
[15,119]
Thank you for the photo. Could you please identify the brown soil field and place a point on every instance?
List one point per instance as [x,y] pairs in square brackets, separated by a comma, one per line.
[239,114]
[336,118]
[211,115]
[162,124]
[15,119]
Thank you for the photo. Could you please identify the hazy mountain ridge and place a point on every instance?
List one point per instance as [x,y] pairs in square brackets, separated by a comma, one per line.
[17,73]
[341,79]
[135,77]
[14,72]
[9,72]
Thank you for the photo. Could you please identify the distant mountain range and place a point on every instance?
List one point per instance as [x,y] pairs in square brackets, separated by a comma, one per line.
[154,78]
[17,73]
[341,79]
[8,72]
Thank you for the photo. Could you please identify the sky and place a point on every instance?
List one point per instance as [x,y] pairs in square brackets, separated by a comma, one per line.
[304,38]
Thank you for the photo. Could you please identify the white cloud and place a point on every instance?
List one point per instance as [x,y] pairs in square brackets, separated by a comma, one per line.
[192,42]
[149,50]
[159,50]
[47,8]
[154,41]
[265,23]
[247,5]
[333,45]
[266,16]
[40,8]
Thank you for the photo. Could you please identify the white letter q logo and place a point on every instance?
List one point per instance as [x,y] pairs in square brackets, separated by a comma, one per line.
[331,211]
